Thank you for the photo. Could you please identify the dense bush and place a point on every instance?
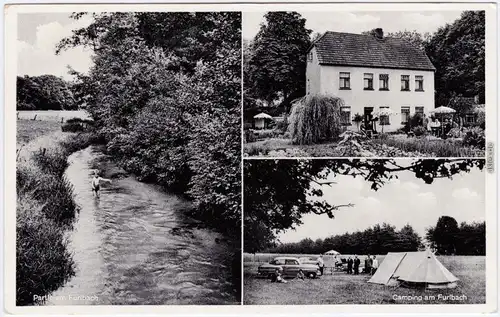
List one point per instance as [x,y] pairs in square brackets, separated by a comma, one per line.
[414,121]
[315,118]
[474,137]
[419,130]
[43,262]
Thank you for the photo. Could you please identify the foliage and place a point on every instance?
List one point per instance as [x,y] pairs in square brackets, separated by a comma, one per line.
[357,119]
[378,239]
[474,137]
[314,119]
[457,50]
[276,59]
[415,120]
[165,92]
[46,92]
[279,192]
[449,238]
[419,130]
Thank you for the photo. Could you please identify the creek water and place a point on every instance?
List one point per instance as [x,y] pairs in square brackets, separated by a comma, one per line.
[134,245]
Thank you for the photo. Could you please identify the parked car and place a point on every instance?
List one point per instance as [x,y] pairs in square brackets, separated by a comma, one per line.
[290,266]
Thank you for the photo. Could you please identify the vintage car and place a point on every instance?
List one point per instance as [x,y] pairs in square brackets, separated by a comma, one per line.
[289,267]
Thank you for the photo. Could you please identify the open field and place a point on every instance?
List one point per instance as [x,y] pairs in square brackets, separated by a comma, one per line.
[340,288]
[28,130]
[52,115]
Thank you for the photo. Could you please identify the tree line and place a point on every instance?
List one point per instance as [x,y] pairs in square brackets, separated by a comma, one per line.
[45,92]
[378,239]
[164,92]
[275,60]
[447,237]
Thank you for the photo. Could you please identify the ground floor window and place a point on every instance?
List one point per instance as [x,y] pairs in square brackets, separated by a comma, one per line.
[405,114]
[470,118]
[384,116]
[345,115]
[420,111]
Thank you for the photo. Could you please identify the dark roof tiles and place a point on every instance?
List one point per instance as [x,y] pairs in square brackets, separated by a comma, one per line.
[335,48]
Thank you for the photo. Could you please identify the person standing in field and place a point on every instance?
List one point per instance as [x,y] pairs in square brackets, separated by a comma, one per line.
[368,264]
[356,264]
[321,264]
[374,265]
[349,265]
[96,183]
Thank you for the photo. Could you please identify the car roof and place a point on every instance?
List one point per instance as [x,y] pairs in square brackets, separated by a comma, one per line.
[285,258]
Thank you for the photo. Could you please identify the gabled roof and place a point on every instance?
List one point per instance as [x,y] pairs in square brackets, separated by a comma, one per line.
[335,48]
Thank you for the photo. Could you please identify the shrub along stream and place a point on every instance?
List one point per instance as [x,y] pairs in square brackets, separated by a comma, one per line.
[45,210]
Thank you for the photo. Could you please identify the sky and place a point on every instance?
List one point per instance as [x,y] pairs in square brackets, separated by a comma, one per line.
[37,36]
[359,21]
[406,200]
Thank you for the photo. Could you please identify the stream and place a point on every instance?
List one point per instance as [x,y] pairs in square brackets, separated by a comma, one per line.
[134,245]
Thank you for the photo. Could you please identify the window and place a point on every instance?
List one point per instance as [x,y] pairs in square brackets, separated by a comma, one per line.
[384,116]
[419,111]
[405,114]
[419,83]
[345,115]
[384,82]
[278,262]
[291,262]
[345,80]
[310,56]
[405,83]
[368,81]
[470,119]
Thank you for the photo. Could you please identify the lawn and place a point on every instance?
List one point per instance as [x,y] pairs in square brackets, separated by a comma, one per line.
[28,130]
[341,288]
[386,145]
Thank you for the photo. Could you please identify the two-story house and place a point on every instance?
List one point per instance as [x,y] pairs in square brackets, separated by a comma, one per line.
[376,76]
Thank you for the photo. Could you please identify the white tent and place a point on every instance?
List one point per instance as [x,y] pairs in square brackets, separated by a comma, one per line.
[413,268]
[332,252]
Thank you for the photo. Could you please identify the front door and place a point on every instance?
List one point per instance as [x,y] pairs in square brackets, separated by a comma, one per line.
[367,118]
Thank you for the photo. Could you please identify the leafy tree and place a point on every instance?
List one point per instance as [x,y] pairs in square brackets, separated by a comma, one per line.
[457,50]
[444,235]
[45,92]
[449,238]
[279,192]
[277,58]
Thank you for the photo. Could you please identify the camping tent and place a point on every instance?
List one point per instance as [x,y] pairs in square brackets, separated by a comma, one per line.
[413,268]
[332,252]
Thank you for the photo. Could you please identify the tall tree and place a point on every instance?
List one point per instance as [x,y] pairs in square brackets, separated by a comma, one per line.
[457,50]
[277,62]
[444,236]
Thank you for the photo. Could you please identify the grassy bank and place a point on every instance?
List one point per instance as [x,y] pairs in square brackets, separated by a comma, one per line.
[45,209]
[341,288]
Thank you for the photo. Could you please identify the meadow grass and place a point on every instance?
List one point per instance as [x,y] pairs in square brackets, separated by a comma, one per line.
[341,288]
[45,210]
[28,130]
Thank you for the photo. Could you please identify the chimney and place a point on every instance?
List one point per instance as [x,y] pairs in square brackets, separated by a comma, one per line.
[379,33]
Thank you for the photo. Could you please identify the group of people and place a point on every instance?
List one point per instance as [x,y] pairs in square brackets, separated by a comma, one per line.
[371,265]
[437,128]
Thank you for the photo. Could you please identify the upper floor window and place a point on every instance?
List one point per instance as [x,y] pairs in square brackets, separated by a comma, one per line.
[345,80]
[405,83]
[419,83]
[345,115]
[310,56]
[384,116]
[405,114]
[384,82]
[368,81]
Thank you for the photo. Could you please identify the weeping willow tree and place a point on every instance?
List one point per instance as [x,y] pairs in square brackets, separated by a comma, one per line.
[315,119]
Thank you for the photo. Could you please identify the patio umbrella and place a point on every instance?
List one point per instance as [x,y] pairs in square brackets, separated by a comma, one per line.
[443,110]
[384,112]
[263,116]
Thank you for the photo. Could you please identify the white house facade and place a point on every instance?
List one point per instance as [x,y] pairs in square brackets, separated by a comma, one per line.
[377,77]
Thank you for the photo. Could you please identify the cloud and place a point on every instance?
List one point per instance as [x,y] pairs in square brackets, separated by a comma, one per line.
[39,58]
[464,193]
